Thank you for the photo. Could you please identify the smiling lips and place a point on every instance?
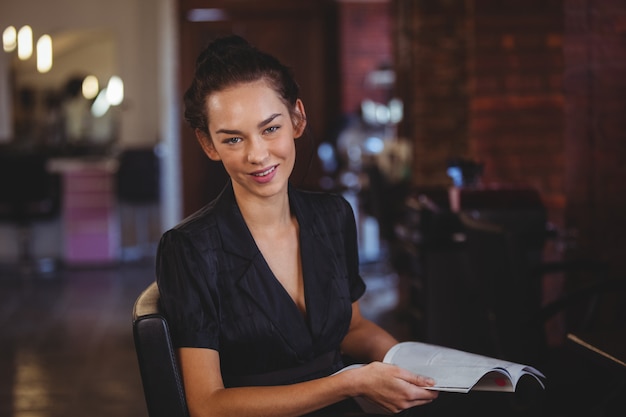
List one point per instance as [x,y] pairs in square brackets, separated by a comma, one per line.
[265,175]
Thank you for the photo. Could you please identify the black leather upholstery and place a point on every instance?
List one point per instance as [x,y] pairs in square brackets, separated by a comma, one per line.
[160,374]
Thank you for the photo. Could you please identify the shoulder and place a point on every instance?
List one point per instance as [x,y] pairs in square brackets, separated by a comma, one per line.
[200,229]
[320,202]
[199,222]
[324,212]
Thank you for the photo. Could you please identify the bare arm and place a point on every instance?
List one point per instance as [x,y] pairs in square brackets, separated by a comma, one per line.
[206,395]
[366,341]
[387,385]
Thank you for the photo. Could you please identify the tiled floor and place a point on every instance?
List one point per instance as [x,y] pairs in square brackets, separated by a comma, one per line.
[66,345]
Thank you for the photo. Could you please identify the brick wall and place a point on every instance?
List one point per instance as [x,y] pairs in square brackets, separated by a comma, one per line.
[516,96]
[535,89]
[365,45]
[431,41]
[595,151]
[478,83]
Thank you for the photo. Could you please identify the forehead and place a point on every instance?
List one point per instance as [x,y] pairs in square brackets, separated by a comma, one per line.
[255,99]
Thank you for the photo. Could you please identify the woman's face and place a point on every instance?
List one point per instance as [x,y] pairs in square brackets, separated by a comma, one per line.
[252,133]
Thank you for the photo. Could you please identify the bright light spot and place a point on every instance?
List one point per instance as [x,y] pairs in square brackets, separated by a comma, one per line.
[325,151]
[396,110]
[368,110]
[349,179]
[326,154]
[381,78]
[31,380]
[9,39]
[115,90]
[101,104]
[90,87]
[354,153]
[374,145]
[44,54]
[382,114]
[206,15]
[25,43]
[456,175]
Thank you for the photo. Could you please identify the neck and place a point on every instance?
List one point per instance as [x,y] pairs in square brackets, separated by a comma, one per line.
[265,212]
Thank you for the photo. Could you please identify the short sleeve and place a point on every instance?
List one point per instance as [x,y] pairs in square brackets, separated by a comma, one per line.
[187,286]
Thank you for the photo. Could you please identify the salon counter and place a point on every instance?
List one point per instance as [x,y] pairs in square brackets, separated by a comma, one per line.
[90,224]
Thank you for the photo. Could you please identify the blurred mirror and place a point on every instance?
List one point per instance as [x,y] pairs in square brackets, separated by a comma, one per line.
[74,103]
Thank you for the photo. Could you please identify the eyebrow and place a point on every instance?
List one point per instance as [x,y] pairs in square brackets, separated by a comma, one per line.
[260,124]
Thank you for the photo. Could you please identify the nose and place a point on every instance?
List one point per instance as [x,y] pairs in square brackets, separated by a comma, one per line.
[257,151]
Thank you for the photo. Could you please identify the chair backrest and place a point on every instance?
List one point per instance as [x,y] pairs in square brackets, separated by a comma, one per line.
[28,191]
[160,373]
[138,176]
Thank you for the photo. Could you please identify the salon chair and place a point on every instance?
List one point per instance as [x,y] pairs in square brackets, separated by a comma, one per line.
[138,192]
[160,374]
[28,193]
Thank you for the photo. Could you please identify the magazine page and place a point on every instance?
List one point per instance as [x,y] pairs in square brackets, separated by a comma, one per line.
[457,371]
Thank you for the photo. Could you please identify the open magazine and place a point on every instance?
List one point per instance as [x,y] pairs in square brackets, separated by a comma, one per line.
[455,370]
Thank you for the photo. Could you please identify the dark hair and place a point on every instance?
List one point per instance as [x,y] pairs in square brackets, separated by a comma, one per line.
[229,61]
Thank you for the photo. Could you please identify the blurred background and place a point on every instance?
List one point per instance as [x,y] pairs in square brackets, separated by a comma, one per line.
[481,143]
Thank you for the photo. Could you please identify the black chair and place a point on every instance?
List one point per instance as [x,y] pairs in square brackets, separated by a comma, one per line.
[138,176]
[138,192]
[28,193]
[158,365]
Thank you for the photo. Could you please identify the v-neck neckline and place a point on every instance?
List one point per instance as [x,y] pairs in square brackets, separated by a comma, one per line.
[259,282]
[304,316]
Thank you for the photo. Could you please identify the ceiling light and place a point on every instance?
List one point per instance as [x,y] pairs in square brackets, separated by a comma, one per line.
[24,42]
[9,39]
[100,105]
[206,15]
[44,54]
[115,90]
[90,87]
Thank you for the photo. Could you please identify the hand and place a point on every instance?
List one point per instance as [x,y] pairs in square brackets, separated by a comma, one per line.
[394,388]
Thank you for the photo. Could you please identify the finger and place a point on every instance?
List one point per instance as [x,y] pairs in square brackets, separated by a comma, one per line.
[419,380]
[413,378]
[425,397]
[422,402]
[424,381]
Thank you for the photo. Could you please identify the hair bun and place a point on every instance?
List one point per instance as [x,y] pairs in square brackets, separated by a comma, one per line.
[229,42]
[220,48]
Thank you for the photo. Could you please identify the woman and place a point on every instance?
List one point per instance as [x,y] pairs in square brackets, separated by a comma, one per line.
[261,285]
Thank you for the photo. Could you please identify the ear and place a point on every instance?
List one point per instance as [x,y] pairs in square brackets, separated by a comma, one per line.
[207,145]
[299,119]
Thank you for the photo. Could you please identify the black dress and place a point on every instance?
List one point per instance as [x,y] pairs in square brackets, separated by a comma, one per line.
[219,293]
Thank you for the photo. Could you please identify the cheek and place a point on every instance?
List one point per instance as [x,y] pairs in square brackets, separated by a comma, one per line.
[288,149]
[231,160]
